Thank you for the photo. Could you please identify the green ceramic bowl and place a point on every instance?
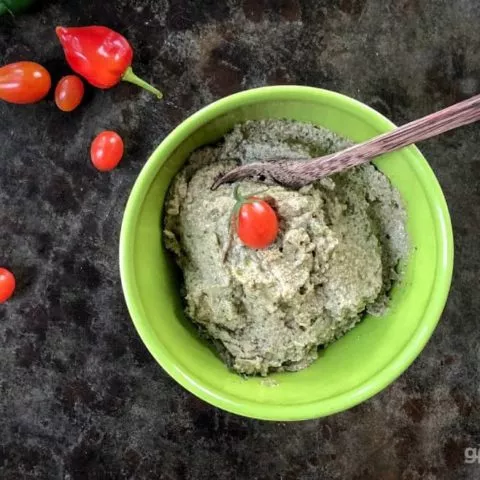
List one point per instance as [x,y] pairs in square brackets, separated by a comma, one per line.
[354,368]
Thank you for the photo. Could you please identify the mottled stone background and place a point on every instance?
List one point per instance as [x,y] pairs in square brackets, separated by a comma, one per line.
[80,397]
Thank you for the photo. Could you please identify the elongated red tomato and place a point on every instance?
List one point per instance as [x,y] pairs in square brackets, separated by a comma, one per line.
[257,223]
[106,151]
[7,284]
[24,82]
[69,93]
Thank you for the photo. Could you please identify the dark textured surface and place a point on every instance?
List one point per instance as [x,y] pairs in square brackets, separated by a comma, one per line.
[80,397]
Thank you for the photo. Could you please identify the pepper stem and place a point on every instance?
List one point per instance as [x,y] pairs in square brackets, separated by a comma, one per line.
[4,8]
[240,198]
[236,194]
[129,76]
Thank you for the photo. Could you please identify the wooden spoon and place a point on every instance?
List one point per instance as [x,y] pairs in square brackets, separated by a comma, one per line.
[295,173]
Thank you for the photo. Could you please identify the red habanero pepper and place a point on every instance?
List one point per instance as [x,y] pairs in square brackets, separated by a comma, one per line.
[102,56]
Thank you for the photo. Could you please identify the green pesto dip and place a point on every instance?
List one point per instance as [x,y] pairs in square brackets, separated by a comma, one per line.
[335,259]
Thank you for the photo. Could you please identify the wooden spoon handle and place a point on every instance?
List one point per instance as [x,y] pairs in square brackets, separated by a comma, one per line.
[462,113]
[295,174]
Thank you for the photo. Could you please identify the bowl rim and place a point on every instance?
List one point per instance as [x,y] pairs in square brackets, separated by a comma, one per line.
[318,408]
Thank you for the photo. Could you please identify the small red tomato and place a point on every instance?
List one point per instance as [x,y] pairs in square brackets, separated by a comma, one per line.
[69,93]
[24,82]
[256,221]
[7,284]
[106,151]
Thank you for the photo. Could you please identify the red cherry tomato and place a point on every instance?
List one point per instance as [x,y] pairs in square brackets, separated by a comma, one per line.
[257,223]
[7,284]
[24,82]
[106,151]
[69,93]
